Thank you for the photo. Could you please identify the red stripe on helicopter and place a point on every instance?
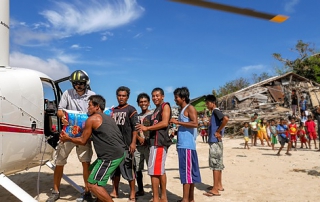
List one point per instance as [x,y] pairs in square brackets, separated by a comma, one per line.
[19,129]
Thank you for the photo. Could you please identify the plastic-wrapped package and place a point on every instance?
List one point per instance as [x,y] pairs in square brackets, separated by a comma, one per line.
[76,121]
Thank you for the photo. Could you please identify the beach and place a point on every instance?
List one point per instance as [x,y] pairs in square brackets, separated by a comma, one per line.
[256,174]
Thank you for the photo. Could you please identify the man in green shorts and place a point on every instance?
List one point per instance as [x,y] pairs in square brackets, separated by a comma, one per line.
[108,143]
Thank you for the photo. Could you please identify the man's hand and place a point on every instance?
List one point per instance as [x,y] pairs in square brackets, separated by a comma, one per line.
[64,137]
[64,121]
[132,148]
[141,140]
[141,127]
[218,135]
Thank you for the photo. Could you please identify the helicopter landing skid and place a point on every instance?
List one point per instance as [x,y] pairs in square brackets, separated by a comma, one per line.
[15,189]
[66,178]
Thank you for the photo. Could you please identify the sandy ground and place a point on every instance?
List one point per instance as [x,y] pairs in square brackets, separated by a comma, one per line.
[250,175]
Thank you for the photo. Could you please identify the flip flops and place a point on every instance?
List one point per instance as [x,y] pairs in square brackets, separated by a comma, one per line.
[210,194]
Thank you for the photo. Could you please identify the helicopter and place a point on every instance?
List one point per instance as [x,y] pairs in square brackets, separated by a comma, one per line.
[28,107]
[29,126]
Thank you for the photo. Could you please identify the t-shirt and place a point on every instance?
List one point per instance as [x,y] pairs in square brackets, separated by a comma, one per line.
[294,99]
[253,125]
[301,132]
[303,105]
[145,119]
[273,130]
[126,118]
[108,140]
[71,100]
[216,120]
[262,128]
[316,116]
[245,131]
[186,136]
[310,125]
[293,129]
[282,129]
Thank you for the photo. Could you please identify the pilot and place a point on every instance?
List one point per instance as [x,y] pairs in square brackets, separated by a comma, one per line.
[76,99]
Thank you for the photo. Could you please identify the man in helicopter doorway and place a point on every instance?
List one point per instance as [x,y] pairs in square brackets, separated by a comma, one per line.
[76,99]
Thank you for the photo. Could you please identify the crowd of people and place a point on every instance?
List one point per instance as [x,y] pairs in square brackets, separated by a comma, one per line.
[290,130]
[127,139]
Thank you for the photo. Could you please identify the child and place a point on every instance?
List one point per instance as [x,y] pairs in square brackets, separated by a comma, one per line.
[302,135]
[273,134]
[293,132]
[245,131]
[311,130]
[282,129]
[254,131]
[263,131]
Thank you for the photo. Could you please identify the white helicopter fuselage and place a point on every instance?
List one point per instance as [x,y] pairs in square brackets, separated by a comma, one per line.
[22,138]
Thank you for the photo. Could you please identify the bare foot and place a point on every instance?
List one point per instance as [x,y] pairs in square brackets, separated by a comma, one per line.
[289,154]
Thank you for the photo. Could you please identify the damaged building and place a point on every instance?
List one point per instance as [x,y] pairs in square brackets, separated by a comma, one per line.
[270,98]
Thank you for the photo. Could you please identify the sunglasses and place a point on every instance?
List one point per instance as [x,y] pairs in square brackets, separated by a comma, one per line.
[78,83]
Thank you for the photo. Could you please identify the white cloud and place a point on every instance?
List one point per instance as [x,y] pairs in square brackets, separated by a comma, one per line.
[252,68]
[149,29]
[105,35]
[91,16]
[51,67]
[289,5]
[70,18]
[169,89]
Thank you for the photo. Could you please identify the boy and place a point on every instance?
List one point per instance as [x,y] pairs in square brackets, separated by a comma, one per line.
[293,132]
[311,130]
[245,131]
[216,129]
[283,139]
[302,135]
[273,134]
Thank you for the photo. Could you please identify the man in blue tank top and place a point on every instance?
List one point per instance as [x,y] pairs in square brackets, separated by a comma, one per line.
[217,123]
[186,144]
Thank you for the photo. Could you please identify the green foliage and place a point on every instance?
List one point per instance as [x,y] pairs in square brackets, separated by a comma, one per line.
[306,65]
[232,86]
[240,83]
[257,78]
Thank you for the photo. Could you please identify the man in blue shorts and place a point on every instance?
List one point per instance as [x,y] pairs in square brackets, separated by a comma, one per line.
[108,143]
[216,128]
[186,144]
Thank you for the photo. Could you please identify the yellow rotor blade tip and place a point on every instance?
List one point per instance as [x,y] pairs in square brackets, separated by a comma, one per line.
[279,18]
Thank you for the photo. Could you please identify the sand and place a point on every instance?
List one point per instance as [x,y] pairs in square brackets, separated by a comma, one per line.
[250,175]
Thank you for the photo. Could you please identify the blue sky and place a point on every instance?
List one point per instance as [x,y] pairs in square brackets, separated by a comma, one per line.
[144,44]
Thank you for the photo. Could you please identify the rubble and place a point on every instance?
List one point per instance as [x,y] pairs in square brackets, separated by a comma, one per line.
[270,98]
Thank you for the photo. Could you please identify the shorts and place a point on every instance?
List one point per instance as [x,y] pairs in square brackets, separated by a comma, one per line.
[216,156]
[303,139]
[283,141]
[312,135]
[126,168]
[294,108]
[63,150]
[101,170]
[157,159]
[141,155]
[204,132]
[246,139]
[254,133]
[293,138]
[188,166]
[274,139]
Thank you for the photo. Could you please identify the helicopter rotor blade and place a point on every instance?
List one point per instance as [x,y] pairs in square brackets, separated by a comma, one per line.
[237,10]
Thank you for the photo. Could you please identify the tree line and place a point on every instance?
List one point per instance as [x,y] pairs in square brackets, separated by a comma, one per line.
[307,64]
